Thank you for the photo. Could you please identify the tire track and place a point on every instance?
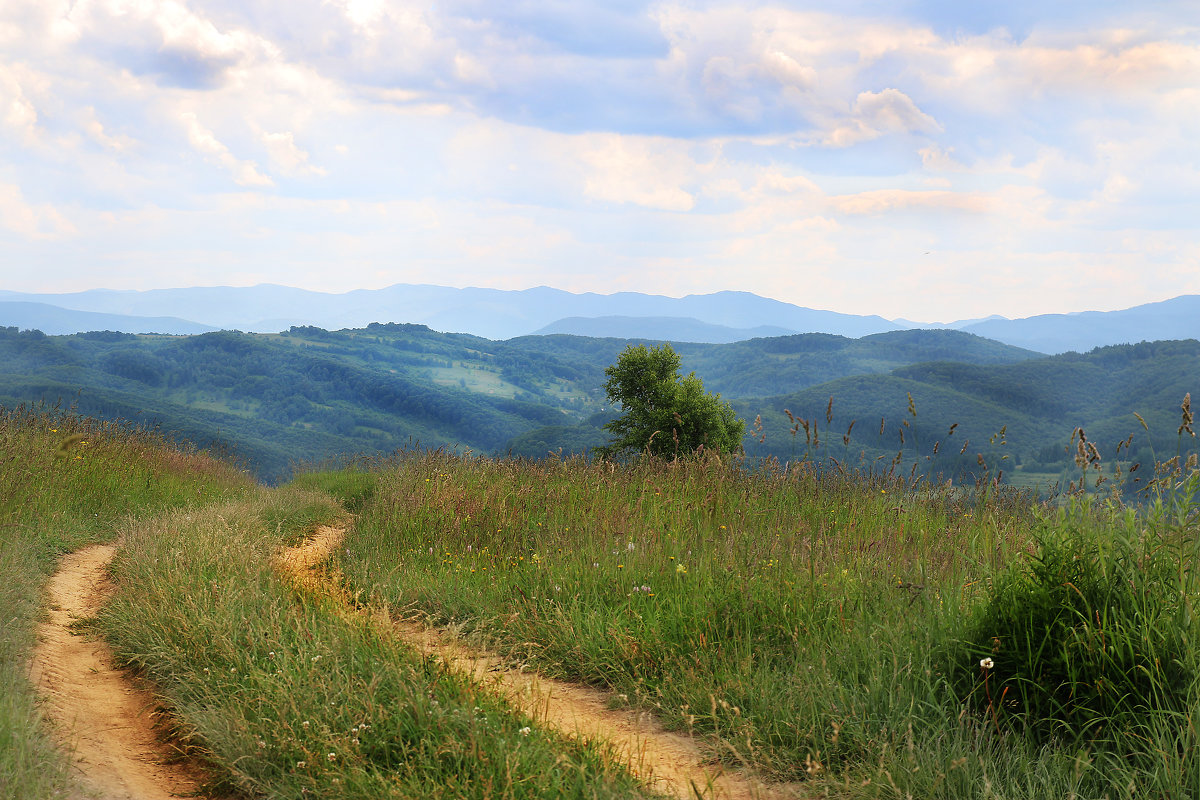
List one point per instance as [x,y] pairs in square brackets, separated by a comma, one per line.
[669,762]
[99,715]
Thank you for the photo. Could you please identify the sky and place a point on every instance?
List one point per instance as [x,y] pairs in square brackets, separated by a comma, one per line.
[932,160]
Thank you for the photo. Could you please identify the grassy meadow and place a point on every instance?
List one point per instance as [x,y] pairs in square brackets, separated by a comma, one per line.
[862,636]
[66,482]
[874,638]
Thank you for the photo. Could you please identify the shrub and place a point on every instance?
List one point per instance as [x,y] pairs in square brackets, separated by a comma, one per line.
[1088,636]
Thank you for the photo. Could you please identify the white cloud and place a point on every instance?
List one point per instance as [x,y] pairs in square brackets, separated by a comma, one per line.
[287,157]
[245,173]
[16,111]
[96,130]
[878,113]
[41,221]
[634,170]
[880,201]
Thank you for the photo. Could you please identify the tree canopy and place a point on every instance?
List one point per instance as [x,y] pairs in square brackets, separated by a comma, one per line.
[665,414]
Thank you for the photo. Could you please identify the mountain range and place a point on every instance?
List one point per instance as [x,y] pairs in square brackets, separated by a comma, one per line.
[720,317]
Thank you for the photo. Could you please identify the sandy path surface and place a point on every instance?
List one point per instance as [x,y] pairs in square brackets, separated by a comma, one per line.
[670,762]
[98,713]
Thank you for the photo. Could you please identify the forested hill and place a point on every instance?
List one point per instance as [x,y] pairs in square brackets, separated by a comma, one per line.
[304,395]
[1038,402]
[308,394]
[770,366]
[1018,417]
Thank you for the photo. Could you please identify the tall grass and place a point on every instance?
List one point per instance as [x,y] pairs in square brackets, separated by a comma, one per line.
[814,625]
[288,696]
[65,482]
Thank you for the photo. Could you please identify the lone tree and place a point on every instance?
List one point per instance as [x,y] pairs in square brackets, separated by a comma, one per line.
[665,414]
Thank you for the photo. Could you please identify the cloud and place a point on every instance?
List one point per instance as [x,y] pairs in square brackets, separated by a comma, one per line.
[96,130]
[245,173]
[634,170]
[17,113]
[41,222]
[876,114]
[287,157]
[165,39]
[880,201]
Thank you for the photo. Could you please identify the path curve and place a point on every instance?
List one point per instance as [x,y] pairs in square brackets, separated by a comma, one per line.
[98,714]
[669,762]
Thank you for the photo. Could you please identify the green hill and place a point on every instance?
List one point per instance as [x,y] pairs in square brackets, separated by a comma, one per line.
[306,395]
[310,394]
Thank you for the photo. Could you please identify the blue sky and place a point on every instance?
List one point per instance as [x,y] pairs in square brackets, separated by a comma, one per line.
[932,160]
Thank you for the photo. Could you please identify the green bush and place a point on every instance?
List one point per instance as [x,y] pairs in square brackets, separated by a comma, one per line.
[1089,638]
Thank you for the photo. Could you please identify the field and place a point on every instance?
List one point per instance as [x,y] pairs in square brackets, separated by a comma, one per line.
[826,634]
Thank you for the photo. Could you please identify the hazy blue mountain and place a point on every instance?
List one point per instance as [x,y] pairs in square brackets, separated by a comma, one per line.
[663,329]
[1177,318]
[500,314]
[491,313]
[54,320]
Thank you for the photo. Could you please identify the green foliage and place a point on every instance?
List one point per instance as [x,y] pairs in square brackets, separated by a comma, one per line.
[1092,636]
[65,482]
[662,413]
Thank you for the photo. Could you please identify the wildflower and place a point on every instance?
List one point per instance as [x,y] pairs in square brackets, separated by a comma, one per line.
[331,756]
[301,764]
[986,663]
[525,731]
[629,547]
[304,724]
[680,569]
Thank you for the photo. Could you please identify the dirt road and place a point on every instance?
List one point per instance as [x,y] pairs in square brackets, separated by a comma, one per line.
[672,763]
[99,714]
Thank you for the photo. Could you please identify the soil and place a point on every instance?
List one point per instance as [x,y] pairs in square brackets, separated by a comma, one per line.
[99,714]
[669,762]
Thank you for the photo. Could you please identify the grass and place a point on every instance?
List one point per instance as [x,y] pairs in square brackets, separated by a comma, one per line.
[66,482]
[289,696]
[813,626]
[867,636]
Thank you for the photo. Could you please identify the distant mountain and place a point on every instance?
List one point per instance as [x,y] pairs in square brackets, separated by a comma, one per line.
[491,313]
[54,320]
[500,314]
[1177,318]
[663,329]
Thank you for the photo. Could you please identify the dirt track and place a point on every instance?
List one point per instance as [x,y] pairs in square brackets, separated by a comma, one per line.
[670,762]
[108,723]
[98,713]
